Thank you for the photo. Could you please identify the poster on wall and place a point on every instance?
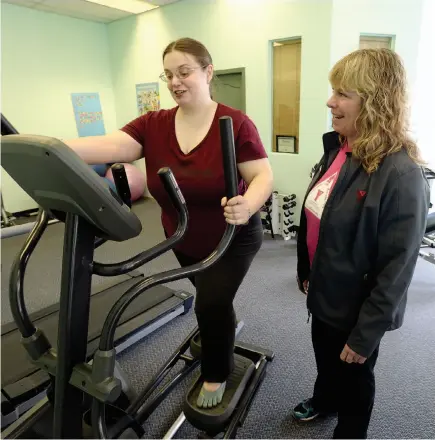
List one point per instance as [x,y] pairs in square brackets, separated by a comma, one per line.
[148,97]
[88,114]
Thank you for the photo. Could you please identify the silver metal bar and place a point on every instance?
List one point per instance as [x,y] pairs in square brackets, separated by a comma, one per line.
[31,413]
[140,335]
[428,241]
[175,427]
[428,256]
[21,409]
[7,219]
[25,228]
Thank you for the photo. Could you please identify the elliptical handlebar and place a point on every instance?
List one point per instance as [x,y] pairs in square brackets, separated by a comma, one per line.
[177,199]
[16,281]
[230,171]
[108,332]
[123,192]
[121,183]
[228,156]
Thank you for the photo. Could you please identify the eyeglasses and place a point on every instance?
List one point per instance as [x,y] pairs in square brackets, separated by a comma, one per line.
[180,73]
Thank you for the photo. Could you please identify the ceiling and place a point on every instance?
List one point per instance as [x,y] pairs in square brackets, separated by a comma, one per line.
[103,11]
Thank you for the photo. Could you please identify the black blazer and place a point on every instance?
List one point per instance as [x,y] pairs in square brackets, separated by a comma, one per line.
[370,234]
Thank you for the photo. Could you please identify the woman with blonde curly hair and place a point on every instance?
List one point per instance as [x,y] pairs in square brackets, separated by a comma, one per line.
[362,223]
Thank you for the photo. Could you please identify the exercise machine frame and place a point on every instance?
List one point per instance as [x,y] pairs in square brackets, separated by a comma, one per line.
[24,384]
[73,377]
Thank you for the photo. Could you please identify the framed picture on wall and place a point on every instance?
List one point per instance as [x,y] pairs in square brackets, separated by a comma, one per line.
[148,97]
[286,144]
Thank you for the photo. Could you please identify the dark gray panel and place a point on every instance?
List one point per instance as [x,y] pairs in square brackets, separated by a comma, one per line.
[59,180]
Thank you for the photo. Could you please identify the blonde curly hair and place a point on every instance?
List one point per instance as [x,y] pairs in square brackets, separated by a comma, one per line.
[379,78]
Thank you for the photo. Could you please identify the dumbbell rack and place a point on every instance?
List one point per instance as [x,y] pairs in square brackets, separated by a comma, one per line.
[277,215]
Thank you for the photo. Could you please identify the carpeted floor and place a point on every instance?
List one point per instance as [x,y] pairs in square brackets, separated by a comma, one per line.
[275,317]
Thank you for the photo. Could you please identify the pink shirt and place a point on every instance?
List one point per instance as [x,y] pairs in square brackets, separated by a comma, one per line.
[316,200]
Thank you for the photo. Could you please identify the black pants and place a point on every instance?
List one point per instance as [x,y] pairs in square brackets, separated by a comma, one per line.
[215,291]
[348,389]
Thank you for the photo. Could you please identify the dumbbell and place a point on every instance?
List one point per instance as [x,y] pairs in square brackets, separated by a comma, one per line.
[290,230]
[289,205]
[289,198]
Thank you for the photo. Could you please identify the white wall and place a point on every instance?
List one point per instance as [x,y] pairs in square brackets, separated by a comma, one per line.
[424,96]
[45,58]
[386,17]
[412,24]
[401,19]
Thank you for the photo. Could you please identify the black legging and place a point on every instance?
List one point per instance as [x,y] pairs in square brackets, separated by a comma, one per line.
[215,292]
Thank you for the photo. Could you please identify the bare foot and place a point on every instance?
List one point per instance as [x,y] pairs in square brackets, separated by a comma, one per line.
[211,394]
[211,386]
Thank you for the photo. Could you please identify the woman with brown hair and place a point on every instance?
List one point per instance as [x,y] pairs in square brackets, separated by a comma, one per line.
[362,223]
[186,138]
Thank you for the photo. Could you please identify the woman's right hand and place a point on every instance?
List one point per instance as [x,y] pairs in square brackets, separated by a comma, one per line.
[303,286]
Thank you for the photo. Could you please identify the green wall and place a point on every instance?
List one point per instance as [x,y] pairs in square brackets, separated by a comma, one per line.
[46,57]
[237,35]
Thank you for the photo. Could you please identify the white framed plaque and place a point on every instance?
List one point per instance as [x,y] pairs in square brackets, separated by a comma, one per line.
[286,144]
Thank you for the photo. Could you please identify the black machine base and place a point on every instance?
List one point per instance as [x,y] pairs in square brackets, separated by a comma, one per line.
[39,423]
[24,384]
[250,367]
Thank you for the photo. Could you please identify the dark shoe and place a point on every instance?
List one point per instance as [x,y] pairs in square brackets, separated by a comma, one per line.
[304,411]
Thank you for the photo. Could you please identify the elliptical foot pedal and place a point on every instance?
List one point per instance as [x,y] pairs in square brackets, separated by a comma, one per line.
[214,419]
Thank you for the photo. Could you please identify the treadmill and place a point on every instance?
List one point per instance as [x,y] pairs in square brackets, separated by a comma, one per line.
[23,383]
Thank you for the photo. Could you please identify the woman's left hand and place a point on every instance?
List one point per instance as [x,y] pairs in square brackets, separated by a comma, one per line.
[236,210]
[349,356]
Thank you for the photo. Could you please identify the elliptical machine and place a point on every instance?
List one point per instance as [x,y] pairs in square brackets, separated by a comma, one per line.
[65,187]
